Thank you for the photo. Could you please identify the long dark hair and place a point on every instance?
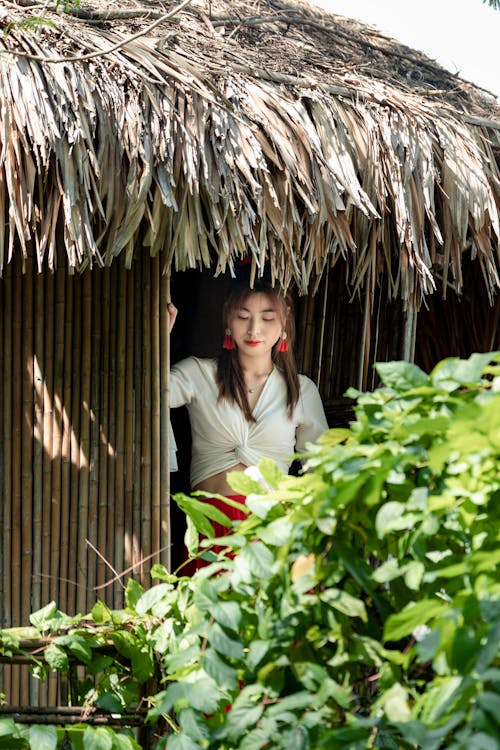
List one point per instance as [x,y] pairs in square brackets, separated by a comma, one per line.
[229,373]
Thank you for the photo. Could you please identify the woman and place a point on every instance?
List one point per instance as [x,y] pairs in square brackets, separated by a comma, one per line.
[249,403]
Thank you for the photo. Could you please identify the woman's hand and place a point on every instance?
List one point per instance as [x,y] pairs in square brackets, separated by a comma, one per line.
[172,314]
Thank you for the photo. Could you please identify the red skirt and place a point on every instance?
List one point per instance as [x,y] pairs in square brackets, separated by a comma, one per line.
[234,514]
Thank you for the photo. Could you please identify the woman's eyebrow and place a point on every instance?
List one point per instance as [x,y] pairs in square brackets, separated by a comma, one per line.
[265,310]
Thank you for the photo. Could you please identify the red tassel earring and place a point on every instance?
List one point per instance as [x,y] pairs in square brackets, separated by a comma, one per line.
[283,344]
[228,342]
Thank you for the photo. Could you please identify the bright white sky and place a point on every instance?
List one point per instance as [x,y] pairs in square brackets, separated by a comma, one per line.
[462,35]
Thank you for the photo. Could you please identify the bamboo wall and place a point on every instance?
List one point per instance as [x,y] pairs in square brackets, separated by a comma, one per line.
[84,489]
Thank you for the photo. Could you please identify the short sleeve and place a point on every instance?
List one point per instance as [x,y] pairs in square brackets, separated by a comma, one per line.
[312,421]
[182,382]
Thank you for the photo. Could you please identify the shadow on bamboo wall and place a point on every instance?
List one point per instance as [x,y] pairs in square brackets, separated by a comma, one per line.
[84,495]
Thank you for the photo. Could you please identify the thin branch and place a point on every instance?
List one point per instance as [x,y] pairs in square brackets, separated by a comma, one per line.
[106,562]
[86,14]
[129,569]
[90,55]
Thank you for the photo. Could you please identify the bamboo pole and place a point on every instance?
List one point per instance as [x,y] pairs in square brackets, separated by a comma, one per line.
[3,497]
[95,424]
[409,334]
[324,305]
[48,374]
[83,485]
[328,354]
[129,424]
[73,521]
[146,515]
[27,453]
[60,311]
[139,376]
[104,437]
[18,606]
[7,463]
[119,494]
[57,399]
[38,386]
[364,340]
[166,531]
[155,410]
[107,549]
[67,427]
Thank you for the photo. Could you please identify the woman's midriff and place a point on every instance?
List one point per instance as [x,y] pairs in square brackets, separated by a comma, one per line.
[217,484]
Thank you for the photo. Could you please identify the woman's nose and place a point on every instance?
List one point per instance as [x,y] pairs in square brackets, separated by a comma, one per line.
[253,326]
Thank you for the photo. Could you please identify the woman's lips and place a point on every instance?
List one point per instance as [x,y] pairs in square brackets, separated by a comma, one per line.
[252,343]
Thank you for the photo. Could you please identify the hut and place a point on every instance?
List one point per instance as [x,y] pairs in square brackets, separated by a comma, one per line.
[145,150]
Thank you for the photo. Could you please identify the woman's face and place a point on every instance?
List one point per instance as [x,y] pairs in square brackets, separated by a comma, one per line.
[256,324]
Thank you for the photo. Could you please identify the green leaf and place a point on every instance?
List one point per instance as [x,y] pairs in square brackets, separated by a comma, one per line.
[404,623]
[270,471]
[453,373]
[101,613]
[243,484]
[401,375]
[161,573]
[393,516]
[56,658]
[395,703]
[97,739]
[155,600]
[181,742]
[43,618]
[77,645]
[143,665]
[43,737]
[222,643]
[241,716]
[201,695]
[278,532]
[123,742]
[259,558]
[344,602]
[490,702]
[133,593]
[193,724]
[225,676]
[110,702]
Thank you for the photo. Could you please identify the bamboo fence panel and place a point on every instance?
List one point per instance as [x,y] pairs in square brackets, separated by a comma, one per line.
[82,408]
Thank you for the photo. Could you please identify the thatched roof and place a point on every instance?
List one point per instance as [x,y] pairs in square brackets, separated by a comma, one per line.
[231,128]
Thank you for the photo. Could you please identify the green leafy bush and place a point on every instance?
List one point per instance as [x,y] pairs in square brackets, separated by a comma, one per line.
[357,606]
